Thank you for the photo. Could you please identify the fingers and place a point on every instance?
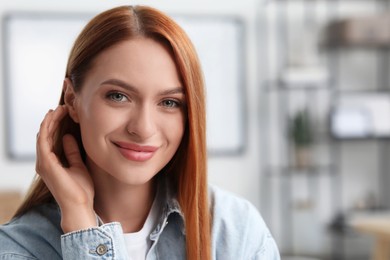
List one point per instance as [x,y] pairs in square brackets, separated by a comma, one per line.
[72,151]
[45,136]
[72,187]
[56,117]
[51,121]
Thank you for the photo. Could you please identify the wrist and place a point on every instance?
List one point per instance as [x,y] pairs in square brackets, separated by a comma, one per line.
[77,219]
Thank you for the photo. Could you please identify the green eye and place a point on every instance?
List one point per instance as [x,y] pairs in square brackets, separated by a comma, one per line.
[170,103]
[117,97]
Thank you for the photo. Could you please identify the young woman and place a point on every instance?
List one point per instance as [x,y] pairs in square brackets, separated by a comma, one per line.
[121,162]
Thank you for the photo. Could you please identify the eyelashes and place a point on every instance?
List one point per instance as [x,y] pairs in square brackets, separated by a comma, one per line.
[168,102]
[171,103]
[117,96]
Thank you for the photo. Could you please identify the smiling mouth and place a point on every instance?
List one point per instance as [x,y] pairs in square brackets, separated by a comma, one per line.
[135,152]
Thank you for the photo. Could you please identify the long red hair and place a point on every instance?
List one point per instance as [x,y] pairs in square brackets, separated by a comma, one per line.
[188,167]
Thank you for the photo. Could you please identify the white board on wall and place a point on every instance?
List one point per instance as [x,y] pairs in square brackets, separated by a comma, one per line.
[36,48]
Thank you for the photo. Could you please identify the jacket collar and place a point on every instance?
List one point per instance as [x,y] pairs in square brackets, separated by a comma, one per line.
[170,209]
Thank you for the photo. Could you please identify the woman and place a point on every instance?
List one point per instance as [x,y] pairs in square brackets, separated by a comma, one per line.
[121,162]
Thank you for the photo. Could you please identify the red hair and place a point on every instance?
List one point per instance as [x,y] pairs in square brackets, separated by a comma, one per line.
[188,167]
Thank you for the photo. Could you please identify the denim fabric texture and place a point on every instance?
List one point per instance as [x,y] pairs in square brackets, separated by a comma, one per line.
[238,232]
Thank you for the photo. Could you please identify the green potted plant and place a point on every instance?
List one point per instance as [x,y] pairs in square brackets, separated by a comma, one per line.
[302,137]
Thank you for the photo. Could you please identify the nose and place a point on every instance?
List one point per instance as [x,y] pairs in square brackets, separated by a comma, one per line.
[142,123]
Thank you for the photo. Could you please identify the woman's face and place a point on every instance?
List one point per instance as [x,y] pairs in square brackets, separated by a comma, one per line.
[131,111]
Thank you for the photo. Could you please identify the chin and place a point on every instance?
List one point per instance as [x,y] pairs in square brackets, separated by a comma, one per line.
[135,179]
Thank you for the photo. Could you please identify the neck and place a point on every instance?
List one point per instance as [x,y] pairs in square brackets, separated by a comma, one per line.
[124,203]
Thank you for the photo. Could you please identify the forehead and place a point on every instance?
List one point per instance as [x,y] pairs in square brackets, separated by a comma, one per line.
[138,61]
[139,50]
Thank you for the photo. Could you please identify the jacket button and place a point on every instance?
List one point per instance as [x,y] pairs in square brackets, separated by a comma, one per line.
[101,249]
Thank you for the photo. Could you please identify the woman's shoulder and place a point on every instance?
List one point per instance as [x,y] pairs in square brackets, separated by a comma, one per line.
[238,228]
[32,235]
[221,199]
[229,207]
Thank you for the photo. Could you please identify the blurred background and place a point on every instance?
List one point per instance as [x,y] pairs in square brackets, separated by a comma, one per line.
[298,109]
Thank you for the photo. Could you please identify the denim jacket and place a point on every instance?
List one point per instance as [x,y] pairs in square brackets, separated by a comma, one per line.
[238,232]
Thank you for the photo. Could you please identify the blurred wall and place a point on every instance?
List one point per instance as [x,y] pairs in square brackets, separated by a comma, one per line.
[238,173]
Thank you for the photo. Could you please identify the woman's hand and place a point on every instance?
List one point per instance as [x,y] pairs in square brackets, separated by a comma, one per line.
[71,187]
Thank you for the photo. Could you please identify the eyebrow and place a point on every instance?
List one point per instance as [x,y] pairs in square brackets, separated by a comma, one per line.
[122,84]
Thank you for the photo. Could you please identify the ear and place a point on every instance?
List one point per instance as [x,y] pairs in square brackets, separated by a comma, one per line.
[70,99]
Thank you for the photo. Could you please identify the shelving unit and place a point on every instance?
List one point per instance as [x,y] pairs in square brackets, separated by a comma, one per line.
[302,205]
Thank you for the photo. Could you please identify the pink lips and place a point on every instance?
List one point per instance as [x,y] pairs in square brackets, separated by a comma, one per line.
[135,152]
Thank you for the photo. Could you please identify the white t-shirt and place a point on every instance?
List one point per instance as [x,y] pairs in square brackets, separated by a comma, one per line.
[138,243]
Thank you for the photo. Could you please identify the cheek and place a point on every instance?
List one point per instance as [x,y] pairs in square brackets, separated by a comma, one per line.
[98,120]
[176,131]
